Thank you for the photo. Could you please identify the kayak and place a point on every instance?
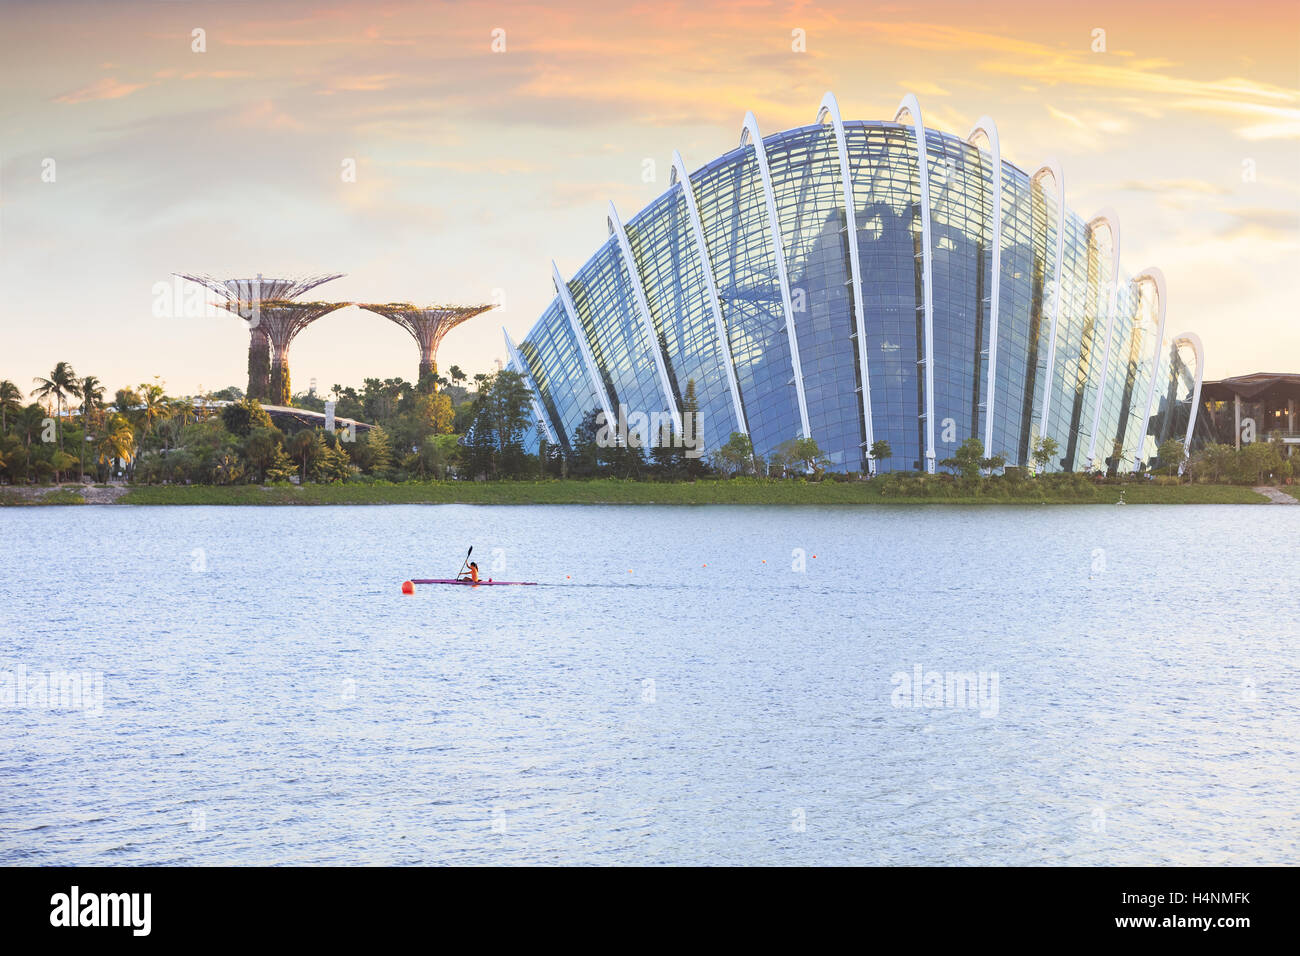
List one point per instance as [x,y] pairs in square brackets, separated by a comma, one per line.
[486,583]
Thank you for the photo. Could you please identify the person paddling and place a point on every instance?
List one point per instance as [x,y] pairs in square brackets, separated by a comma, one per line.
[468,569]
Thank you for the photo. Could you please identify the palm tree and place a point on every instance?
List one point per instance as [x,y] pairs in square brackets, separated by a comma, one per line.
[11,399]
[181,412]
[61,383]
[307,448]
[155,405]
[117,440]
[91,391]
[457,374]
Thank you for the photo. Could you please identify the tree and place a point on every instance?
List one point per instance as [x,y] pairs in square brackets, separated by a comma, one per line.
[669,456]
[695,466]
[880,451]
[1170,454]
[380,454]
[501,418]
[1214,461]
[332,464]
[809,454]
[435,414]
[993,463]
[306,448]
[117,442]
[61,384]
[1258,459]
[428,460]
[125,400]
[457,375]
[92,397]
[967,459]
[241,417]
[586,453]
[736,457]
[1045,449]
[11,400]
[153,400]
[262,448]
[227,469]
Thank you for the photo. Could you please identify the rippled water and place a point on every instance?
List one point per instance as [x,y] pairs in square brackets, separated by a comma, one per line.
[675,692]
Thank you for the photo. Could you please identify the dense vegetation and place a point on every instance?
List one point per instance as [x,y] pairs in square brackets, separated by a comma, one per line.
[889,490]
[423,436]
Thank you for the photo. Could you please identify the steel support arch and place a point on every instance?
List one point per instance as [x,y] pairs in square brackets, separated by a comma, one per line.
[830,108]
[643,306]
[754,138]
[566,300]
[912,107]
[989,128]
[1157,279]
[701,247]
[1054,168]
[517,361]
[1194,341]
[1110,219]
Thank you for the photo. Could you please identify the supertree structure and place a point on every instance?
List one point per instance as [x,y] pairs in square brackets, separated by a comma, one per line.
[281,321]
[247,298]
[428,325]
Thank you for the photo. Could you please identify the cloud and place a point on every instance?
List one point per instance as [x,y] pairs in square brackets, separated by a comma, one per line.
[1035,63]
[106,89]
[922,88]
[1090,129]
[1171,185]
[1261,223]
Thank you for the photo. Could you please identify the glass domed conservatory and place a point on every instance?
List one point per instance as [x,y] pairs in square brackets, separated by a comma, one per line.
[859,281]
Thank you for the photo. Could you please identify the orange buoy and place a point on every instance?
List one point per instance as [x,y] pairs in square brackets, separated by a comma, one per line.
[408,587]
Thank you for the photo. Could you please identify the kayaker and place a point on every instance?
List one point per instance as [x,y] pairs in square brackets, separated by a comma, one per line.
[473,573]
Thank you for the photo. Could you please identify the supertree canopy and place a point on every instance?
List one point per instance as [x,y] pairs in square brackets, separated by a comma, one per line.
[280,321]
[428,325]
[248,299]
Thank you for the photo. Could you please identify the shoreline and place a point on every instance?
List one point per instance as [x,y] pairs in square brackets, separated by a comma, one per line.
[614,491]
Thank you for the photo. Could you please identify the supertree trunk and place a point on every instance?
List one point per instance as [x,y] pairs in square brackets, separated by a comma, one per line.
[259,364]
[279,391]
[428,370]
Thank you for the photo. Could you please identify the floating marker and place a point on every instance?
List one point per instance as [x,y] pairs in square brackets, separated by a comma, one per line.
[408,587]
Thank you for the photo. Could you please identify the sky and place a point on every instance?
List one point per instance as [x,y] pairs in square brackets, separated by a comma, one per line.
[488,138]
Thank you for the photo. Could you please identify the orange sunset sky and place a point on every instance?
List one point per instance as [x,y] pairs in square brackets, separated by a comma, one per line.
[475,168]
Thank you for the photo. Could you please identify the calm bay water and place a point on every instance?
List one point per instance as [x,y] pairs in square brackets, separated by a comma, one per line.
[269,695]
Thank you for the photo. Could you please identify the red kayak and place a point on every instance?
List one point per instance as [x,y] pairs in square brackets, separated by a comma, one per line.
[488,583]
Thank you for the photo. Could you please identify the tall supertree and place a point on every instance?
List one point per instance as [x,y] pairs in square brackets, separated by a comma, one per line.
[281,321]
[247,298]
[428,326]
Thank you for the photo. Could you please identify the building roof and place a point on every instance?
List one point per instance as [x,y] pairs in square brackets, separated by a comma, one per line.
[305,416]
[1258,386]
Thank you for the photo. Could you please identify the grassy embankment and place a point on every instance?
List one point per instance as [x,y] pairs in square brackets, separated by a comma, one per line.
[39,496]
[738,491]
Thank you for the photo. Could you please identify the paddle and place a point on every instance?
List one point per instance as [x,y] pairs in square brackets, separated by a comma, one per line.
[464,564]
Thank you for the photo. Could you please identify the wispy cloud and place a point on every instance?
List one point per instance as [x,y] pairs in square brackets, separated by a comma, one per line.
[1261,223]
[106,89]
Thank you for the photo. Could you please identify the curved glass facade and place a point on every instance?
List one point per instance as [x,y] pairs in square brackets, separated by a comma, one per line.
[1096,374]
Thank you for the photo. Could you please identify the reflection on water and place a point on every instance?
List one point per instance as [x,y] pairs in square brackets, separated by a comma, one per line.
[935,686]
